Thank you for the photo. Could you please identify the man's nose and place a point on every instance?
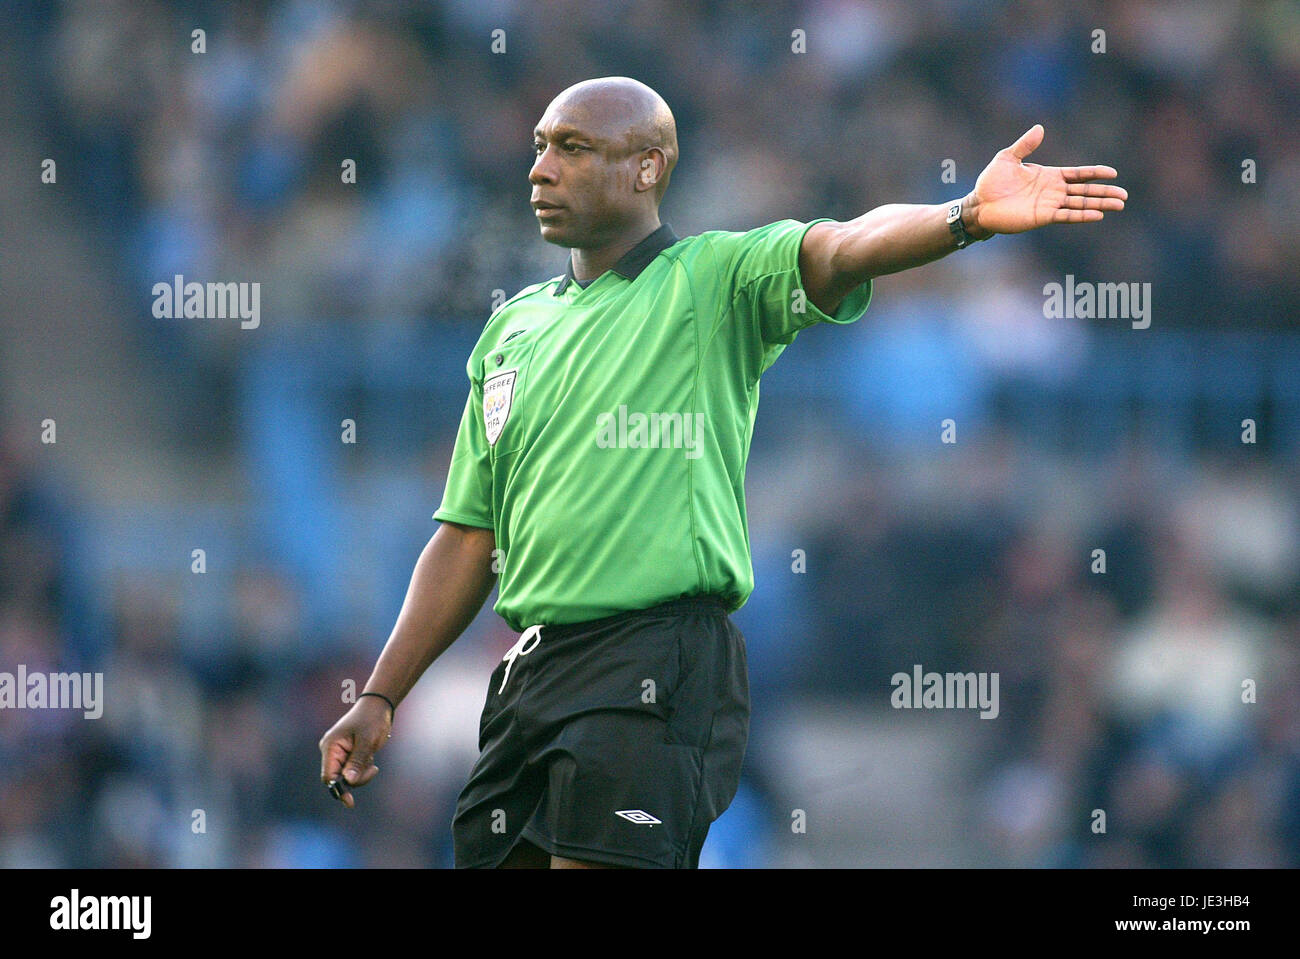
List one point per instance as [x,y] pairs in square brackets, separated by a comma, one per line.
[543,170]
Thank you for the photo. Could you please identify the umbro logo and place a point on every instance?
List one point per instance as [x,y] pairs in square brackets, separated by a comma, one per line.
[637,816]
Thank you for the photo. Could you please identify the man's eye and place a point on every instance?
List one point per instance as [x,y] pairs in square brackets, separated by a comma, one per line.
[574,147]
[538,147]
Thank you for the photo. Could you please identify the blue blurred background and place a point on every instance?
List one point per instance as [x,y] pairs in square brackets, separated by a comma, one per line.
[1120,691]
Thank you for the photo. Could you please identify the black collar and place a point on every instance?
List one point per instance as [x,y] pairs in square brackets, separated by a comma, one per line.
[632,262]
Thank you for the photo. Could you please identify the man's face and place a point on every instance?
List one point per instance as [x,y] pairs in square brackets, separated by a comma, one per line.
[584,175]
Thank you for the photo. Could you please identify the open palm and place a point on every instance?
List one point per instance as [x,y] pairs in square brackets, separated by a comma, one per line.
[1012,196]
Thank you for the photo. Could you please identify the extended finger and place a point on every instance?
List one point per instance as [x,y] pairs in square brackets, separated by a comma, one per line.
[1092,203]
[1076,174]
[1029,141]
[1096,189]
[1064,215]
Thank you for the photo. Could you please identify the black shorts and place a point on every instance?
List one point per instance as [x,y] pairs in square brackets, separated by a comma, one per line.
[617,741]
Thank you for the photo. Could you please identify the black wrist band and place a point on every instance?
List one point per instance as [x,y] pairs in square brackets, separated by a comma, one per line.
[385,699]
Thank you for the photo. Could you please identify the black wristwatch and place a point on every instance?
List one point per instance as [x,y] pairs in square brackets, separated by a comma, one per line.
[956,227]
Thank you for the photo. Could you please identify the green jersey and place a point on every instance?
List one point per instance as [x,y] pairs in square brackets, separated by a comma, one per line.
[607,427]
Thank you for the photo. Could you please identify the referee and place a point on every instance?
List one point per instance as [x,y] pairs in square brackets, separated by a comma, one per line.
[599,472]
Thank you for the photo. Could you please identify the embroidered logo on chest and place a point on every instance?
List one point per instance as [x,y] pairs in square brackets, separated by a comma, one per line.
[498,396]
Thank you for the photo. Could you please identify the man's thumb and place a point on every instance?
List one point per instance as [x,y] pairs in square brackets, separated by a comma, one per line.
[355,770]
[1028,142]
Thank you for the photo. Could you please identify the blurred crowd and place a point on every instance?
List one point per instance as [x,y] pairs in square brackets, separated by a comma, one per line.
[1163,689]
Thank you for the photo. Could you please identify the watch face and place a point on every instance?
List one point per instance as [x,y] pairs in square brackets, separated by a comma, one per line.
[954,213]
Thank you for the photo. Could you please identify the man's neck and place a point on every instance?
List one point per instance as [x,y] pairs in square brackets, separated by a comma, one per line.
[591,263]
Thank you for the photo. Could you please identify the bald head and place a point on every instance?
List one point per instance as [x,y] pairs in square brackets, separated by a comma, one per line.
[604,150]
[623,111]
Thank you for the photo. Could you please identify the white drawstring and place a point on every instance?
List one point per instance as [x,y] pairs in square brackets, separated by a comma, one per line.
[518,649]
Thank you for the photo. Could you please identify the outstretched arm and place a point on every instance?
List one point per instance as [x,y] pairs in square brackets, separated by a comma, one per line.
[1010,196]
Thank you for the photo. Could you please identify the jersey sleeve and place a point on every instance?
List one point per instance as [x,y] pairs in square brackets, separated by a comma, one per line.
[761,276]
[468,496]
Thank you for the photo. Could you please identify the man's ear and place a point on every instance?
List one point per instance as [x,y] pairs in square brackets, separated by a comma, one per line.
[651,169]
